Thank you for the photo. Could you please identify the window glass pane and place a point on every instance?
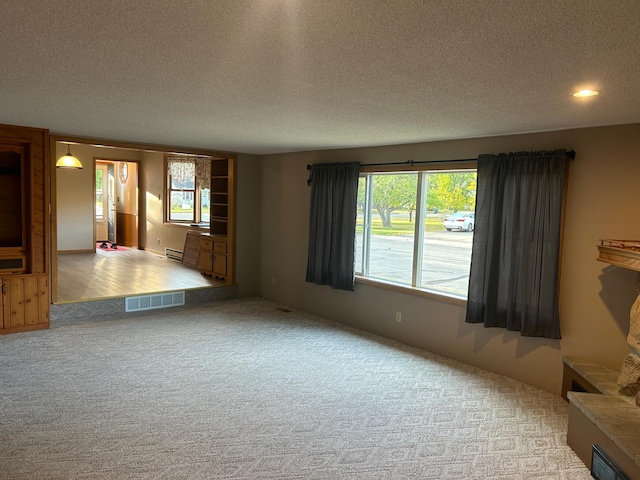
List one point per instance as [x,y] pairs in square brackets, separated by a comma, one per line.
[204,202]
[386,233]
[182,206]
[393,227]
[99,195]
[449,223]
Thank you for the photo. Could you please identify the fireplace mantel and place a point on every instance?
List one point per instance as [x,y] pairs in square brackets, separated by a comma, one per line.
[623,253]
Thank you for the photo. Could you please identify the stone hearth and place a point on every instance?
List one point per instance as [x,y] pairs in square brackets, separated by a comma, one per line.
[626,254]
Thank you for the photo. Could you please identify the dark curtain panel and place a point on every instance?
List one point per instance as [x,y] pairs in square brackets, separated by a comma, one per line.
[332,224]
[513,282]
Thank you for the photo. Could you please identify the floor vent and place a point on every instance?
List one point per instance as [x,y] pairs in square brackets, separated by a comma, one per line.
[603,468]
[150,302]
[173,254]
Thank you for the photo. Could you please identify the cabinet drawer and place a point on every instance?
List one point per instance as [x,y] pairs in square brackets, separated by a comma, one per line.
[206,244]
[220,247]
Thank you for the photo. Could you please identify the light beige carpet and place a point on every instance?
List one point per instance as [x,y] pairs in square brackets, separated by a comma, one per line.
[243,390]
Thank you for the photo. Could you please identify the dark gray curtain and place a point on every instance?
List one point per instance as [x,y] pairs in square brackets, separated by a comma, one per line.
[513,282]
[332,224]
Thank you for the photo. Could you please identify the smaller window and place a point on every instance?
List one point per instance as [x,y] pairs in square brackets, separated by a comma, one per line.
[188,182]
[182,199]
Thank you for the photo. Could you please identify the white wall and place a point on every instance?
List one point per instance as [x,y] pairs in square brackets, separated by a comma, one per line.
[595,298]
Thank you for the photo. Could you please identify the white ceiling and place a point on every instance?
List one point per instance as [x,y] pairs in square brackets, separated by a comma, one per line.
[266,76]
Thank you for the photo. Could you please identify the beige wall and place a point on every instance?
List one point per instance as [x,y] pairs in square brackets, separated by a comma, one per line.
[595,298]
[248,225]
[157,236]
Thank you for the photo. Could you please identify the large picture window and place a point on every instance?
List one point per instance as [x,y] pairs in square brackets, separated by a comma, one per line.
[188,181]
[416,228]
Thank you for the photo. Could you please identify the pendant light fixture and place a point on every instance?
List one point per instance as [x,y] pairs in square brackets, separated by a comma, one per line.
[69,161]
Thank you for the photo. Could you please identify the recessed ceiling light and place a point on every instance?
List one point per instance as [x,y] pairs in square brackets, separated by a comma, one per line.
[586,93]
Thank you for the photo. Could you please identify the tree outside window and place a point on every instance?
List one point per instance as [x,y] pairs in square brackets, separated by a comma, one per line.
[400,234]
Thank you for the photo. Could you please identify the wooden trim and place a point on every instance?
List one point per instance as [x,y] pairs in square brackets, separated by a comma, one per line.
[93,177]
[46,145]
[63,252]
[145,147]
[53,222]
[141,198]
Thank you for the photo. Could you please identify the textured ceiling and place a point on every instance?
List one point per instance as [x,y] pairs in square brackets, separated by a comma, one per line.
[266,76]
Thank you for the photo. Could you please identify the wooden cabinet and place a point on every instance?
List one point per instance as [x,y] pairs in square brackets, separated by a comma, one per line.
[25,303]
[213,257]
[220,258]
[217,250]
[24,228]
[206,255]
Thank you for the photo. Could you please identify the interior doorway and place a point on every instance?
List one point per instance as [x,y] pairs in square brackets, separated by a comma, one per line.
[74,202]
[116,211]
[111,204]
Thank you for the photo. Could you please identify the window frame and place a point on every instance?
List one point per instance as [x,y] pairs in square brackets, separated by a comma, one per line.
[420,168]
[197,191]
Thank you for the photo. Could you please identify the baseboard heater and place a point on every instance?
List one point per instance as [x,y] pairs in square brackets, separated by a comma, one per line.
[603,468]
[173,254]
[150,302]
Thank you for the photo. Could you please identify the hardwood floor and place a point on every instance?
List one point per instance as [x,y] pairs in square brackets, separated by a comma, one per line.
[105,274]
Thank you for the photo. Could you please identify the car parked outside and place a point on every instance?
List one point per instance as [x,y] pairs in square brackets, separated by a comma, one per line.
[460,221]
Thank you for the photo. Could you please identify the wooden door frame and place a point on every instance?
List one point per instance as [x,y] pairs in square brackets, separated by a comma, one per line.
[140,199]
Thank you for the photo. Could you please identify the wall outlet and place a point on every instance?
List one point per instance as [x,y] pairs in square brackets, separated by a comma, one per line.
[273,281]
[399,317]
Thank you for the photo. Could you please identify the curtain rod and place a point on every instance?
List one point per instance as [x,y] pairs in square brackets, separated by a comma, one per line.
[421,162]
[412,162]
[571,154]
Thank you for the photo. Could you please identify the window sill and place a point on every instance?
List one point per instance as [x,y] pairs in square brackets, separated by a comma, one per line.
[437,296]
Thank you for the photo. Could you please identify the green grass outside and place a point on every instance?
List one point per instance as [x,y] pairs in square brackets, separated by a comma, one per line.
[402,226]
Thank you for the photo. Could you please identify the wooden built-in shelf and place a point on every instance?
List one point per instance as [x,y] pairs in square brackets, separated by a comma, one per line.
[24,229]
